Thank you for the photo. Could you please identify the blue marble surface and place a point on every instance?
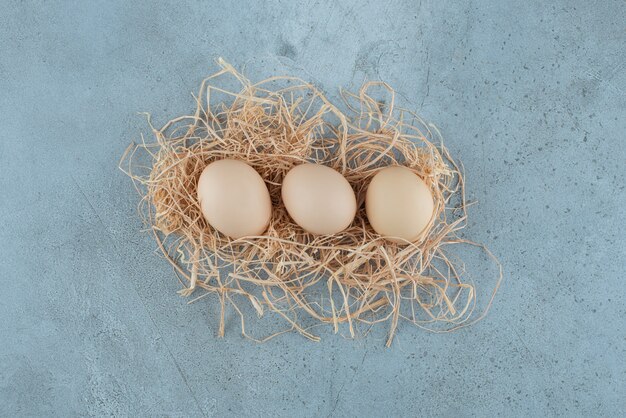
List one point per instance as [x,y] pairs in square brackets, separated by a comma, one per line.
[530,96]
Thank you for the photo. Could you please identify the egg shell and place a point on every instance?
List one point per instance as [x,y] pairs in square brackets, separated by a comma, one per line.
[319,199]
[399,204]
[234,199]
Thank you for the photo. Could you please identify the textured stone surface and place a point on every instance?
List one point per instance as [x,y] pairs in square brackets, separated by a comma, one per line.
[531,96]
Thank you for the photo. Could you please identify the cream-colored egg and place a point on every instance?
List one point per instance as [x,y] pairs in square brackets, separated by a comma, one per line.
[234,199]
[399,204]
[319,199]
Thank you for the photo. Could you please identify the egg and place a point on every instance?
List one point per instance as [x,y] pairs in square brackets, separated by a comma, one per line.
[234,199]
[399,204]
[319,199]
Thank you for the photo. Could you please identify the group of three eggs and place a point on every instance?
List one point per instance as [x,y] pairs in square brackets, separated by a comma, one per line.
[235,200]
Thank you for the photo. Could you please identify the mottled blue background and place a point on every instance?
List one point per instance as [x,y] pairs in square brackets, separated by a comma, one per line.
[530,95]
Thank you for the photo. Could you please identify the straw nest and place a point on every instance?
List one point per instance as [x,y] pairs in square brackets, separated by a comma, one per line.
[352,279]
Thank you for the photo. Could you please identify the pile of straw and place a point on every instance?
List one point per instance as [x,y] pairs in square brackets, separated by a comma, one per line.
[354,277]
